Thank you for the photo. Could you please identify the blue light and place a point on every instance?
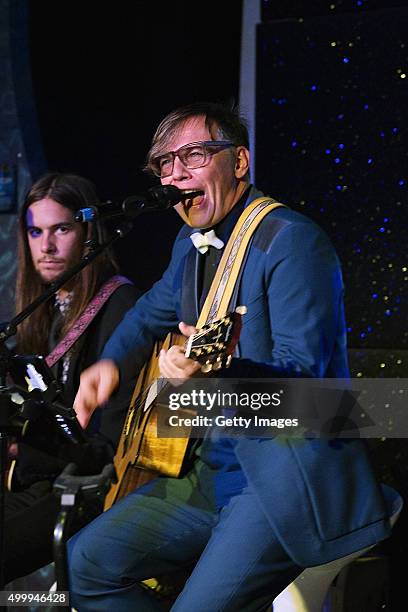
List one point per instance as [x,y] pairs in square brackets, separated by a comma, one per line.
[369,160]
[346,60]
[401,183]
[382,134]
[337,160]
[341,116]
[385,219]
[341,146]
[313,87]
[369,328]
[388,313]
[327,151]
[294,143]
[374,296]
[395,130]
[381,230]
[338,187]
[349,329]
[363,335]
[365,106]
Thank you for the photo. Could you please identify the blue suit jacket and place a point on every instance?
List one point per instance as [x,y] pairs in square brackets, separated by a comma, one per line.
[321,498]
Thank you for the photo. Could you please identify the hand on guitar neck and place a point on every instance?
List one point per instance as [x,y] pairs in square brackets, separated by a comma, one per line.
[173,363]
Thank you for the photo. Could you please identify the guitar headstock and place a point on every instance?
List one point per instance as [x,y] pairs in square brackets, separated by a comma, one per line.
[214,344]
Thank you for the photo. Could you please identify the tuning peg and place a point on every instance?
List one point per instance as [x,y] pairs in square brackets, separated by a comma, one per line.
[206,367]
[217,365]
[228,362]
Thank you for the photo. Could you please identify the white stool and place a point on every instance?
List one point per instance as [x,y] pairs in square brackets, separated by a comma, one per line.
[308,592]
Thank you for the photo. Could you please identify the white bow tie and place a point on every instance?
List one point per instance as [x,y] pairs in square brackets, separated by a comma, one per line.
[203,241]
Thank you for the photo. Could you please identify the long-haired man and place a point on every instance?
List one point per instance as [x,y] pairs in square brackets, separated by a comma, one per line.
[49,243]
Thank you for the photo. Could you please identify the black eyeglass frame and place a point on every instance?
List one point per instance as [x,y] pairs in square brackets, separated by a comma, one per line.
[205,144]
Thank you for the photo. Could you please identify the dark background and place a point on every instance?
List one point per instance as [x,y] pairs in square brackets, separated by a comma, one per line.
[104,76]
[334,85]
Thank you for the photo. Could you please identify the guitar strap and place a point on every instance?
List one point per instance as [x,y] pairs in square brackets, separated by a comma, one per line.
[223,285]
[85,319]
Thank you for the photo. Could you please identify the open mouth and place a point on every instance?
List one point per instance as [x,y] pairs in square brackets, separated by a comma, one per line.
[192,197]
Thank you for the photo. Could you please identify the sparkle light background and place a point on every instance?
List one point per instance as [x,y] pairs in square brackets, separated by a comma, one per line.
[331,142]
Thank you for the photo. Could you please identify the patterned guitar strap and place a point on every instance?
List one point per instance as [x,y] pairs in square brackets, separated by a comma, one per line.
[86,318]
[223,285]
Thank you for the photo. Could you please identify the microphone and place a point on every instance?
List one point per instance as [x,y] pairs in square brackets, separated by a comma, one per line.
[161,197]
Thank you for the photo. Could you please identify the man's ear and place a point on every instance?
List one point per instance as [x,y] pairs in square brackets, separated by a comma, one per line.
[242,162]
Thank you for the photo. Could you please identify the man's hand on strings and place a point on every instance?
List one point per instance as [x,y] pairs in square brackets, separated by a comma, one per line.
[96,386]
[174,365]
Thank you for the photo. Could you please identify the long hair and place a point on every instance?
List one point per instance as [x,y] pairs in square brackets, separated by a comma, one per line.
[72,192]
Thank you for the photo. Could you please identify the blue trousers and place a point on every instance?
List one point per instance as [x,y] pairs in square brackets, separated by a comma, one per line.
[165,526]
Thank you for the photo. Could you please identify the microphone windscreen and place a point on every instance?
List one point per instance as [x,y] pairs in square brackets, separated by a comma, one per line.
[165,196]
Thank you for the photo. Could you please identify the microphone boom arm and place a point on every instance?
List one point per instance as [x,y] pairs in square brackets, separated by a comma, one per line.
[160,197]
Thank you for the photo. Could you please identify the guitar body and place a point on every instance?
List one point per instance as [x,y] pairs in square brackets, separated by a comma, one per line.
[141,454]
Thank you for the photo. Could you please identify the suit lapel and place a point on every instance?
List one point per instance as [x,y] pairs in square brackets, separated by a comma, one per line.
[190,287]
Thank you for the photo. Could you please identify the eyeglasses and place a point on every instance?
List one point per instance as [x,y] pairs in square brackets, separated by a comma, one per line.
[192,155]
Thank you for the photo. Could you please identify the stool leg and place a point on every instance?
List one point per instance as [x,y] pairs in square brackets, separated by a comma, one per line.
[308,592]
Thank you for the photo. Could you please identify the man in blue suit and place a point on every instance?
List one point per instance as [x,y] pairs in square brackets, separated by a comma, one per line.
[251,513]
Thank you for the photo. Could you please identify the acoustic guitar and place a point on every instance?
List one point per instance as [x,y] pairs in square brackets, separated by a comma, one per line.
[141,454]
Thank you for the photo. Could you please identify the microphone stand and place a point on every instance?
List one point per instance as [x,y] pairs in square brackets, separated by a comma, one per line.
[7,330]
